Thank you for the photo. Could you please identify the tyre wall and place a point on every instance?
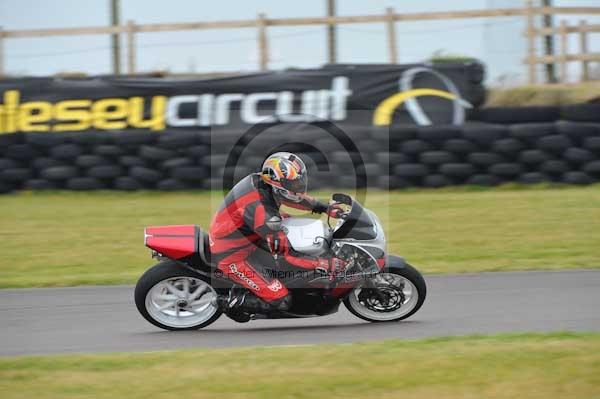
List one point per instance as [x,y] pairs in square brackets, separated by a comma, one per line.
[498,146]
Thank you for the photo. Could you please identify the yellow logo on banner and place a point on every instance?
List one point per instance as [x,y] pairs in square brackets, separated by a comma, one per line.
[384,111]
[79,114]
[407,95]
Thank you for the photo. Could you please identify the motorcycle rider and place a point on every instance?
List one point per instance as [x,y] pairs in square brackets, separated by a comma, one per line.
[250,219]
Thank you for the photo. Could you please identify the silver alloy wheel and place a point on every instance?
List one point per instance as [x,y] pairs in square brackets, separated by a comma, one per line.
[181,302]
[394,281]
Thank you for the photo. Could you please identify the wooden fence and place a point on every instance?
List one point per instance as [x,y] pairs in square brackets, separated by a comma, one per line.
[562,31]
[390,18]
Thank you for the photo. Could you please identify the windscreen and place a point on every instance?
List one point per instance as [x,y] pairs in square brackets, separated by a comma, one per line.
[358,225]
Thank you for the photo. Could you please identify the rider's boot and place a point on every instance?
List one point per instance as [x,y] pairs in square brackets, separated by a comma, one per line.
[231,305]
[242,300]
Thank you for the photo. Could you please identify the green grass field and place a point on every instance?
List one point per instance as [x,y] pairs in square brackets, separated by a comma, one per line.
[73,238]
[532,366]
[556,94]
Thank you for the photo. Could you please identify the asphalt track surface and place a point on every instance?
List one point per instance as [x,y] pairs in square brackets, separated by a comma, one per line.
[104,319]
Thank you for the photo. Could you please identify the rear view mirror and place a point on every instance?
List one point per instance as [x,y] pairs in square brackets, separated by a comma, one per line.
[342,198]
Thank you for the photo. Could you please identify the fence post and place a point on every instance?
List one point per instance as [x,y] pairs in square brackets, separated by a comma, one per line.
[115,38]
[130,47]
[1,53]
[263,49]
[564,49]
[391,33]
[531,37]
[583,43]
[548,41]
[331,34]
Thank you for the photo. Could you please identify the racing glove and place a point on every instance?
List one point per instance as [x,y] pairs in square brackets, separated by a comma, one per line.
[277,243]
[319,207]
[335,211]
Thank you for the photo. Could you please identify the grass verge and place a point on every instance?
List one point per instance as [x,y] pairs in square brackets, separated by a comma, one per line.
[530,366]
[74,238]
[544,95]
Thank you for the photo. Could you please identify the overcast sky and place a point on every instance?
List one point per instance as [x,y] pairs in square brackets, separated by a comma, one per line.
[496,41]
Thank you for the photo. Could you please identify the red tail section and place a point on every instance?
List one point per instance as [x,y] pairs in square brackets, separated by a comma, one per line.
[175,242]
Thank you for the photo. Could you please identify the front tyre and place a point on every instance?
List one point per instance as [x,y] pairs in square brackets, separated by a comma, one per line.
[402,291]
[175,298]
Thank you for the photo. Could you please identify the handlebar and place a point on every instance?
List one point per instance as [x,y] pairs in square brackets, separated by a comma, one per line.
[342,215]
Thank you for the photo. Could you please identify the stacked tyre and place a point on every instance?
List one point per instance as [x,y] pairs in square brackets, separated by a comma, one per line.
[491,154]
[126,160]
[386,157]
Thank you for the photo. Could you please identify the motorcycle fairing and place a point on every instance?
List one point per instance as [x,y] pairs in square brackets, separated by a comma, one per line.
[306,235]
[175,242]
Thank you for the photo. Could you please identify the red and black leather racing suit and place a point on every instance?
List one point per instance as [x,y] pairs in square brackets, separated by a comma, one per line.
[240,227]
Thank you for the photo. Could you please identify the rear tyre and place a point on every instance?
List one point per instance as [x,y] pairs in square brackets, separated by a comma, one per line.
[175,298]
[401,304]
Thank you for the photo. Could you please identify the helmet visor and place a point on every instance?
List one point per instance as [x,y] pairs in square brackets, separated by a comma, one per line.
[285,195]
[297,186]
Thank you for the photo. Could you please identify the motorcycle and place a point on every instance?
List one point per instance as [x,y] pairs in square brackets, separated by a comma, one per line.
[185,291]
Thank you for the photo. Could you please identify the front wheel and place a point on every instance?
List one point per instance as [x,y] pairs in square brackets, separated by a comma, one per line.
[173,297]
[400,293]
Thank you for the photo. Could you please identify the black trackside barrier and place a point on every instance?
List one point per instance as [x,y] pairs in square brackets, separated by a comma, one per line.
[397,157]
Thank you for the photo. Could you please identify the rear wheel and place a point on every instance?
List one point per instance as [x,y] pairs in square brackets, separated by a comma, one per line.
[400,293]
[174,298]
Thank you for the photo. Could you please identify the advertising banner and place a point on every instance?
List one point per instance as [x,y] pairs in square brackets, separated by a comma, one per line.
[409,94]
